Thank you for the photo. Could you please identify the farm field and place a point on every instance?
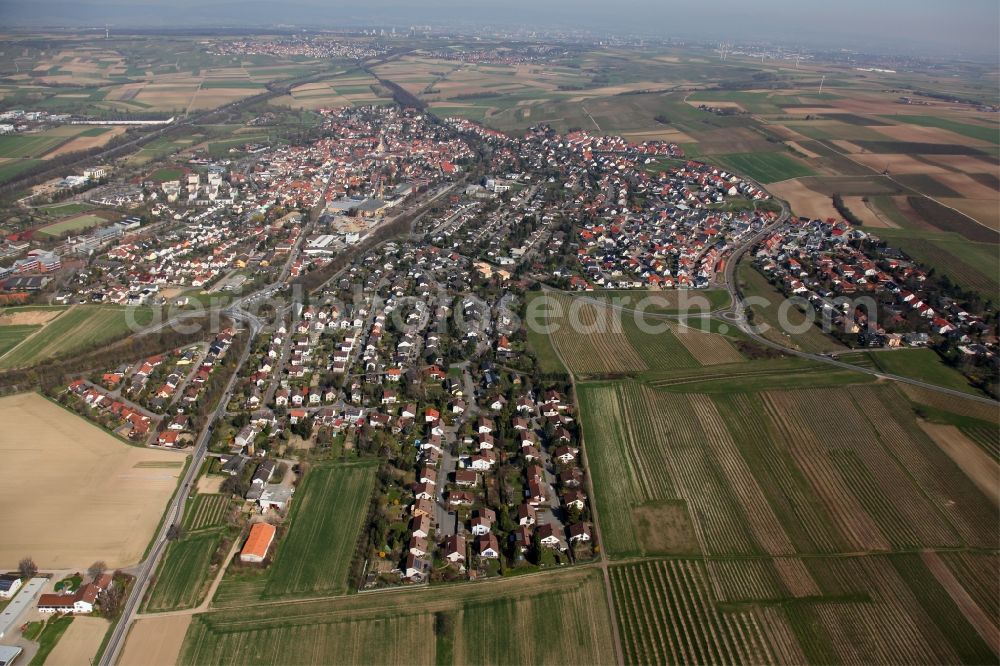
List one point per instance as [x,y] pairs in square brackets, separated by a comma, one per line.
[183,574]
[765,167]
[898,607]
[80,327]
[598,344]
[329,508]
[563,616]
[155,641]
[11,336]
[597,340]
[922,364]
[80,641]
[206,511]
[109,500]
[709,451]
[541,346]
[979,132]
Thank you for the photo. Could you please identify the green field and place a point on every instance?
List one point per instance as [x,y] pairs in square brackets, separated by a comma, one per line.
[183,573]
[922,364]
[327,514]
[12,168]
[659,351]
[765,167]
[555,618]
[980,132]
[80,328]
[51,632]
[541,345]
[65,209]
[165,174]
[11,336]
[29,146]
[75,223]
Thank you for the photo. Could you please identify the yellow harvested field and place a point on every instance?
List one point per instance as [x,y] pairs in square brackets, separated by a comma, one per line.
[978,465]
[984,211]
[209,98]
[805,202]
[798,148]
[966,163]
[210,485]
[80,494]
[847,146]
[922,134]
[28,317]
[807,110]
[896,164]
[80,643]
[85,142]
[658,135]
[868,214]
[968,187]
[155,641]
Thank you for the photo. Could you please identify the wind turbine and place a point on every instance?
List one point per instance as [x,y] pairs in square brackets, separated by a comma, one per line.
[822,79]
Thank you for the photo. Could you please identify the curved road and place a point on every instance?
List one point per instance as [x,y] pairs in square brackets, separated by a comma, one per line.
[737,315]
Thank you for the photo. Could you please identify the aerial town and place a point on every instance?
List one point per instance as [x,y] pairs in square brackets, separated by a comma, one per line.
[355,347]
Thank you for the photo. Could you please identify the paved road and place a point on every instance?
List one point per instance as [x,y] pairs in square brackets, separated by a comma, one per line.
[736,314]
[176,509]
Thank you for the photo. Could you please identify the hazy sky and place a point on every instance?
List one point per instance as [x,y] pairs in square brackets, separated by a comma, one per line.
[917,26]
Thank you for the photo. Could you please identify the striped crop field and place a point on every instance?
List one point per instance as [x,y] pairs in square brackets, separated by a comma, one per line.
[326,520]
[183,573]
[206,511]
[667,615]
[559,617]
[590,338]
[647,446]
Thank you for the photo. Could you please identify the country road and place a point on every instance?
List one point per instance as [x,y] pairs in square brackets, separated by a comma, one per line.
[175,511]
[736,314]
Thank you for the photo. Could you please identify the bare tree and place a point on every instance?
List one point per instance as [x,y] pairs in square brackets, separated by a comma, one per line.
[97,569]
[27,567]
